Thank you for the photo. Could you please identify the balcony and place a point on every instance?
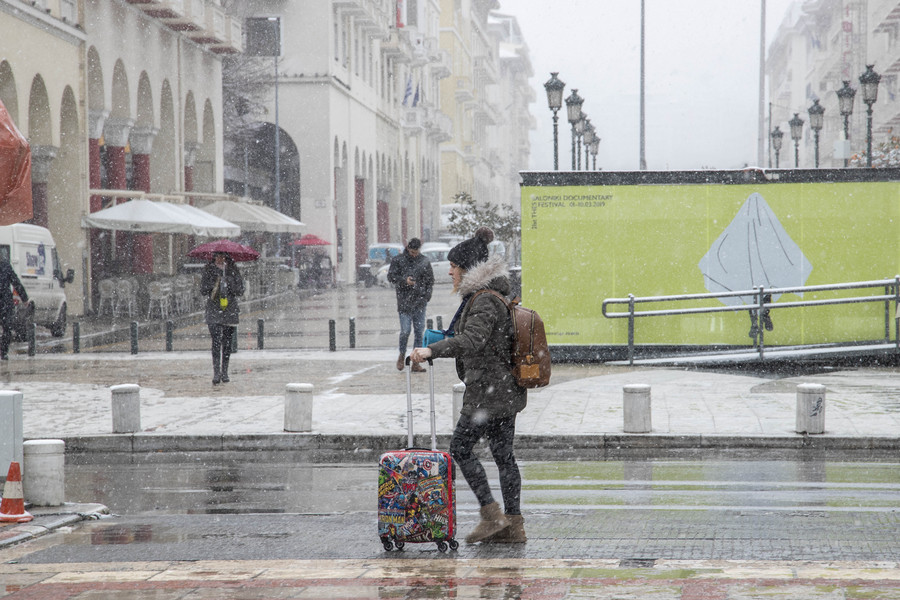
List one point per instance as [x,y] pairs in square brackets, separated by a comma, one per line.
[441,64]
[397,48]
[485,69]
[886,17]
[215,29]
[233,43]
[464,90]
[164,9]
[351,7]
[412,120]
[440,126]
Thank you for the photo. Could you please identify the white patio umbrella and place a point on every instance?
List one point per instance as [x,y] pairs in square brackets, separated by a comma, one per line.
[254,217]
[146,216]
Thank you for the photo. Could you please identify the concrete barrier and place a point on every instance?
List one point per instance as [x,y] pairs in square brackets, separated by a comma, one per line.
[43,472]
[810,408]
[636,408]
[459,390]
[126,408]
[11,433]
[298,400]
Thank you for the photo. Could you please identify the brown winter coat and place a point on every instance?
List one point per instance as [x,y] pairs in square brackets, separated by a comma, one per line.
[482,345]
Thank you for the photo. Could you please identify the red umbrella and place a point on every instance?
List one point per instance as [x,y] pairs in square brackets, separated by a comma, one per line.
[310,240]
[237,252]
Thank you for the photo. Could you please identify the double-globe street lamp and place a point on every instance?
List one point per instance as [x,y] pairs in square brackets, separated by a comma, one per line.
[554,88]
[776,136]
[796,125]
[595,147]
[868,81]
[845,105]
[589,135]
[816,121]
[573,110]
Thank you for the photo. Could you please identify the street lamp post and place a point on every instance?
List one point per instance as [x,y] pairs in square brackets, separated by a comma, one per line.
[776,136]
[796,134]
[588,140]
[595,147]
[869,83]
[816,121]
[579,132]
[845,105]
[573,114]
[554,88]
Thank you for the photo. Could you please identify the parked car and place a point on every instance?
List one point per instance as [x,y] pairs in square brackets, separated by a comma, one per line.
[436,252]
[379,254]
[31,251]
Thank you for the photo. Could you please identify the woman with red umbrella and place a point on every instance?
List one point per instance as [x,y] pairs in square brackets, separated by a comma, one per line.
[221,284]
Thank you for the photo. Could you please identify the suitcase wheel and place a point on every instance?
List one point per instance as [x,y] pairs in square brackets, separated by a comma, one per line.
[453,544]
[442,546]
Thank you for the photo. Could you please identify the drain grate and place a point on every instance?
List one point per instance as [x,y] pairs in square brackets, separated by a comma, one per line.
[637,563]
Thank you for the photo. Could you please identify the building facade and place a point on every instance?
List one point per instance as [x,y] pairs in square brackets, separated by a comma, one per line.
[114,95]
[128,95]
[818,46]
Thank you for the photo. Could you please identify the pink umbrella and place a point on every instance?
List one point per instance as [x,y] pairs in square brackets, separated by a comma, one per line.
[237,252]
[310,240]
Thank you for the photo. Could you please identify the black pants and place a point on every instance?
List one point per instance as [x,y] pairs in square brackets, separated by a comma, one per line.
[221,345]
[499,433]
[5,339]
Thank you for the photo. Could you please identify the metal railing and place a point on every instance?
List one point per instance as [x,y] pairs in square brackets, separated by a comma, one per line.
[891,294]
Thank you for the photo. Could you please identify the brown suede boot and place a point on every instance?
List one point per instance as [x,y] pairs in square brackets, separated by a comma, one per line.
[514,534]
[492,521]
[401,362]
[418,368]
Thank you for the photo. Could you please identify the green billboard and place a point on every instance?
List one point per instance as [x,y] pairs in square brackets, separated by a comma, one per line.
[587,237]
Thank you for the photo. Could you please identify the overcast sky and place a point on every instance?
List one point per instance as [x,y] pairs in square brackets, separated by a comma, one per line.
[702,76]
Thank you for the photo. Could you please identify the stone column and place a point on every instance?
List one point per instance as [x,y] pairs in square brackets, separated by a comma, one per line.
[116,132]
[141,147]
[41,161]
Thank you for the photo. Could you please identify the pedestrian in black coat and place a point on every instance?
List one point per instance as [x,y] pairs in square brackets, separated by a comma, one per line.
[413,279]
[221,284]
[9,281]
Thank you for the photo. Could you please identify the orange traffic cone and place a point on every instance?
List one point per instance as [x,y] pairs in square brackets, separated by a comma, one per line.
[12,509]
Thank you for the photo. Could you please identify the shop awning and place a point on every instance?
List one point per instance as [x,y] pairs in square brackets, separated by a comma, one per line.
[147,216]
[254,217]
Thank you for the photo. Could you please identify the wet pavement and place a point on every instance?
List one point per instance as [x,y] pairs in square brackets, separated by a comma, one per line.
[359,407]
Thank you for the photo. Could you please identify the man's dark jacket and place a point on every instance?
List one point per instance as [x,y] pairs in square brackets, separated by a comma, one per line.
[8,280]
[411,298]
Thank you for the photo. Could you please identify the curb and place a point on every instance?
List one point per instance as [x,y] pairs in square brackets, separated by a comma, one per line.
[49,519]
[313,447]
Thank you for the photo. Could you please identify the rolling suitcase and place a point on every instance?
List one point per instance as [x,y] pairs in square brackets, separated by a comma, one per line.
[416,499]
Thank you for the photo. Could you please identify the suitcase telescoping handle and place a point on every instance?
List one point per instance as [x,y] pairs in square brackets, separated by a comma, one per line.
[409,408]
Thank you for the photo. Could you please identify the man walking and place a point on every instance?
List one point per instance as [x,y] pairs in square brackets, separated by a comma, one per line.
[9,281]
[412,277]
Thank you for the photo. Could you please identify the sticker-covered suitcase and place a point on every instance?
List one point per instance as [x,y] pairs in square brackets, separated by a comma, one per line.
[416,499]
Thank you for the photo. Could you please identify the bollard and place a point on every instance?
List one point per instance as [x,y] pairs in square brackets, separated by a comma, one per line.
[11,428]
[76,337]
[440,322]
[126,408]
[810,408]
[260,334]
[134,337]
[353,332]
[32,339]
[234,336]
[429,324]
[459,390]
[332,336]
[43,472]
[636,404]
[298,398]
[170,332]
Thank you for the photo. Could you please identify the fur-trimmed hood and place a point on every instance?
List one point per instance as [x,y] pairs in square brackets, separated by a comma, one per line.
[490,274]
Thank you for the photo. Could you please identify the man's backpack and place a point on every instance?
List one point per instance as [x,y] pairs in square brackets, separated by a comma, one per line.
[530,357]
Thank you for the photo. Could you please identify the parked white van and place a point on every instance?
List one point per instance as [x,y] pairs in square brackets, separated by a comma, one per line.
[32,253]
